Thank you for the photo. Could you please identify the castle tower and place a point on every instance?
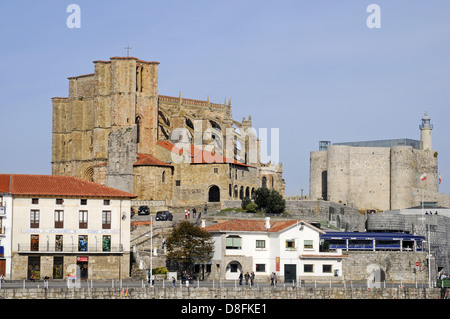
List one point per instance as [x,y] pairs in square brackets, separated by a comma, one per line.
[425,133]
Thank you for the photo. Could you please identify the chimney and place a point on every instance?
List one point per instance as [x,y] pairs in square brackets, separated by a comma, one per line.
[268,223]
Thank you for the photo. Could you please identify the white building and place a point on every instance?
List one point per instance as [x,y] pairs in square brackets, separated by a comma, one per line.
[5,232]
[291,249]
[60,225]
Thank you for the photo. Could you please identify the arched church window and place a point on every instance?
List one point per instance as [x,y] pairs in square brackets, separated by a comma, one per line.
[138,128]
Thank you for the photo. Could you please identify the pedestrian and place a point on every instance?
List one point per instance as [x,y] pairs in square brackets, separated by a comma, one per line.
[189,214]
[247,276]
[153,280]
[163,242]
[252,278]
[276,279]
[173,282]
[185,214]
[272,279]
[148,276]
[194,212]
[240,279]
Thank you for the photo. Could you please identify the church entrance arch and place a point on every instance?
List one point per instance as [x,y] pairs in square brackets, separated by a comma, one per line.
[214,194]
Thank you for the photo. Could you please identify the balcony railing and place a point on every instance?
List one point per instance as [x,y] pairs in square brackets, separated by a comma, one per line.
[99,249]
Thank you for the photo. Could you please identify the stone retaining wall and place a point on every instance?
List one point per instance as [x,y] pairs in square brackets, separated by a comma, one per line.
[223,293]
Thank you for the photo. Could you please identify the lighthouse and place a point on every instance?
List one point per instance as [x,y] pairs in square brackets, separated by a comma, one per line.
[425,133]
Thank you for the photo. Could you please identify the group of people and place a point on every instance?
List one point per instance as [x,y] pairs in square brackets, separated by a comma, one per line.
[247,277]
[251,277]
[187,213]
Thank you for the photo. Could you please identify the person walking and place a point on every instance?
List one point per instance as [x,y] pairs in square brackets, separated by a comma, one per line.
[252,278]
[247,276]
[173,282]
[240,279]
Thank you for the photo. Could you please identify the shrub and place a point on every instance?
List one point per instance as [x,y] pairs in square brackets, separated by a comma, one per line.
[251,207]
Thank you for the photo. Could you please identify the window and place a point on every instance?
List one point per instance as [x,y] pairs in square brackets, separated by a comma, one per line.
[83,218]
[106,219]
[308,244]
[35,201]
[106,202]
[326,268]
[308,268]
[34,243]
[163,177]
[59,219]
[260,268]
[138,128]
[82,242]
[290,244]
[59,201]
[34,219]
[260,244]
[106,243]
[59,243]
[216,170]
[233,242]
[178,183]
[83,201]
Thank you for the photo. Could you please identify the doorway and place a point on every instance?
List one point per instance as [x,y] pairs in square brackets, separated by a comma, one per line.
[290,273]
[82,263]
[214,194]
[233,270]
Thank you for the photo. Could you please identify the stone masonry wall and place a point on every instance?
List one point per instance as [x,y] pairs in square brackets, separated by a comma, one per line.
[222,293]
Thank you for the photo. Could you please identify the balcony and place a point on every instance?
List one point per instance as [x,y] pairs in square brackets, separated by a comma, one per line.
[69,249]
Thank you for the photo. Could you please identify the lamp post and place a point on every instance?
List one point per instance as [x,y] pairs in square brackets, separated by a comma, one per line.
[151,250]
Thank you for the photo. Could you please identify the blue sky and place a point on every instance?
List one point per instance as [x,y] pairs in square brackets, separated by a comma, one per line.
[313,68]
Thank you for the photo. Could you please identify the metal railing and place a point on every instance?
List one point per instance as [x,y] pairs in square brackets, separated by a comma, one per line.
[44,248]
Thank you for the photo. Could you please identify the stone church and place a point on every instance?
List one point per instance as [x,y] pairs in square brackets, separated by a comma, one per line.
[115,129]
[378,175]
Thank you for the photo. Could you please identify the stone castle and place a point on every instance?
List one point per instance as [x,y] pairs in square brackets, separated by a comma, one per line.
[115,129]
[378,175]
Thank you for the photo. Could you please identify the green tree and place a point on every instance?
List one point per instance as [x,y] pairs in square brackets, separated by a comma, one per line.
[245,202]
[188,245]
[261,196]
[275,203]
[270,201]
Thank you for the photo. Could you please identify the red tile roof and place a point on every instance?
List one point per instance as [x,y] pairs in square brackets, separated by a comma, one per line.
[198,156]
[55,185]
[148,160]
[251,225]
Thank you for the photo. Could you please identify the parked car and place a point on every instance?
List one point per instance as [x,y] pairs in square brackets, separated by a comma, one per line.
[164,215]
[143,210]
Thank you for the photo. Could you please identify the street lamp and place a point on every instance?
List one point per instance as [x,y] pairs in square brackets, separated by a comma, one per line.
[151,248]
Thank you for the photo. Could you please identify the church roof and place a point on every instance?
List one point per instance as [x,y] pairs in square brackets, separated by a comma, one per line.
[148,160]
[198,156]
[56,185]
